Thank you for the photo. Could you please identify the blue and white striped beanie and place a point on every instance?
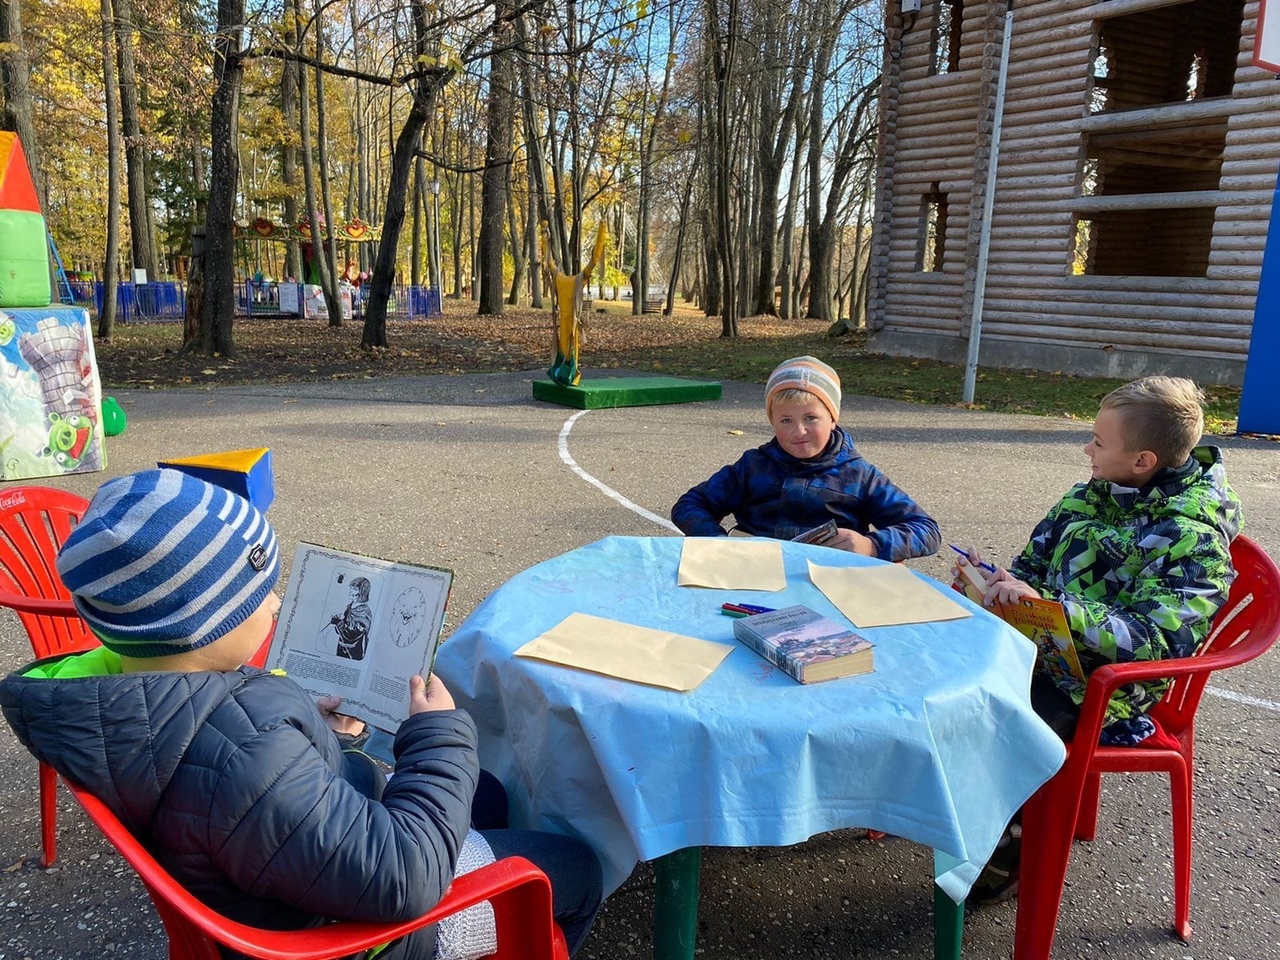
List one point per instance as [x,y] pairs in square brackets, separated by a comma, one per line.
[163,562]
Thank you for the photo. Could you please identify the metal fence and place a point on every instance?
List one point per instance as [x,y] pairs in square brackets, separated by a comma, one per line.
[167,300]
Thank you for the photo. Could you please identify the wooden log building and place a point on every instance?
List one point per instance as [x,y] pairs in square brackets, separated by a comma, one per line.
[1136,166]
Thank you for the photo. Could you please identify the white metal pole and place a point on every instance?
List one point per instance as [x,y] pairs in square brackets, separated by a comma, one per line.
[988,202]
[435,246]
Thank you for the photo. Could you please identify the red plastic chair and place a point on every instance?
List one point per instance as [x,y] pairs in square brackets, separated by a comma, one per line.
[1245,628]
[34,522]
[519,892]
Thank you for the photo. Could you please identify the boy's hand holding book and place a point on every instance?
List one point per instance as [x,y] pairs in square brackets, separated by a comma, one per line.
[986,583]
[1020,605]
[429,695]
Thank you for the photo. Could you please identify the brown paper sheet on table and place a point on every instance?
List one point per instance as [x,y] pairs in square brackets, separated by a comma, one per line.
[883,595]
[731,563]
[628,652]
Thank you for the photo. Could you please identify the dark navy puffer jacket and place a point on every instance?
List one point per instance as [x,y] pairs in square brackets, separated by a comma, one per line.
[232,780]
[773,494]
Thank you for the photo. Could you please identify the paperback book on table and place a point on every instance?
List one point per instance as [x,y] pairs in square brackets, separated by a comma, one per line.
[805,645]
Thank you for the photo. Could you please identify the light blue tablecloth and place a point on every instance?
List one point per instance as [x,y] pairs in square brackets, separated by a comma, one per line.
[938,745]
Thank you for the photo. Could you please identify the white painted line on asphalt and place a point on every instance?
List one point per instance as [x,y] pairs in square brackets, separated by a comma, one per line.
[604,488]
[1244,698]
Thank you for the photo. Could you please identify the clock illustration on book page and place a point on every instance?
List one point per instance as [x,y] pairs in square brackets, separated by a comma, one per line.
[408,617]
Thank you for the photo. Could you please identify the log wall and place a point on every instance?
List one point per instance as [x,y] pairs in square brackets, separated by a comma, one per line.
[1179,226]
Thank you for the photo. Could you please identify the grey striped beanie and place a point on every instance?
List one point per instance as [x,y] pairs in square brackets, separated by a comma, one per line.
[163,562]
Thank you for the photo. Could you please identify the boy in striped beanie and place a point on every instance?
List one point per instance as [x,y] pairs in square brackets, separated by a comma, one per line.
[808,475]
[163,564]
[231,775]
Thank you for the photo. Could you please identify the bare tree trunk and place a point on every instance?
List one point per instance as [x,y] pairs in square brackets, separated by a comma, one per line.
[111,259]
[228,69]
[496,176]
[361,121]
[681,230]
[419,203]
[519,251]
[15,85]
[141,227]
[789,303]
[426,85]
[289,162]
[531,241]
[328,250]
[722,38]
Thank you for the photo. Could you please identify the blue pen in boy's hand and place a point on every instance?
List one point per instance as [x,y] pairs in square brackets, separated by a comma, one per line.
[982,564]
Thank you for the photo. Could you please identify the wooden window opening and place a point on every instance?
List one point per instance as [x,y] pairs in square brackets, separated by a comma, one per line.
[947,35]
[933,231]
[1149,181]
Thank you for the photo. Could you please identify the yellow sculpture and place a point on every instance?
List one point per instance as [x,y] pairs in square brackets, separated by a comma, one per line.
[566,290]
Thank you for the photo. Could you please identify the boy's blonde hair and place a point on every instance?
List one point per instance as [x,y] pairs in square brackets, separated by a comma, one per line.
[1161,414]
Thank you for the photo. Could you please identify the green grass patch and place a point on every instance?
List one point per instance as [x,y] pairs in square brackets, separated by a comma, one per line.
[920,381]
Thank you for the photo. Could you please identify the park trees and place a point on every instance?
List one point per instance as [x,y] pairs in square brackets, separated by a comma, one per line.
[727,144]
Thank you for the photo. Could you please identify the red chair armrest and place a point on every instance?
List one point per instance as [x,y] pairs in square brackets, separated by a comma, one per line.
[1105,680]
[25,604]
[507,877]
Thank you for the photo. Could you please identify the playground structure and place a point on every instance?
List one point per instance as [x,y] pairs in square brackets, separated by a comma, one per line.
[266,296]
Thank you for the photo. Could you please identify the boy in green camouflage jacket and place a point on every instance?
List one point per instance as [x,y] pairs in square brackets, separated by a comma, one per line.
[1138,555]
[1139,558]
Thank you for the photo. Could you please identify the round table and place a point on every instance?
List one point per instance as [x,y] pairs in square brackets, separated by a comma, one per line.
[938,744]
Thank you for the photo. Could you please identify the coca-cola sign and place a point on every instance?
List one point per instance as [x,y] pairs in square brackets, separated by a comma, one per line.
[9,501]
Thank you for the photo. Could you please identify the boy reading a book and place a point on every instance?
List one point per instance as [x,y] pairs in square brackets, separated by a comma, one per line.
[809,473]
[1138,556]
[230,775]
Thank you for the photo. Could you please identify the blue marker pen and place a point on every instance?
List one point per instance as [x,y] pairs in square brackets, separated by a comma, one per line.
[982,565]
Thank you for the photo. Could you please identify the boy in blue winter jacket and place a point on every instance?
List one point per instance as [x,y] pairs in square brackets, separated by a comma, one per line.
[231,775]
[808,474]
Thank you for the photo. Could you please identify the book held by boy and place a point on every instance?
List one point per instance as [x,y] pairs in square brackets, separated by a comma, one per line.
[805,645]
[358,627]
[1041,620]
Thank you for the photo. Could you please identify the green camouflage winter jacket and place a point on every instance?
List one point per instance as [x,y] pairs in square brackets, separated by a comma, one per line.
[1140,571]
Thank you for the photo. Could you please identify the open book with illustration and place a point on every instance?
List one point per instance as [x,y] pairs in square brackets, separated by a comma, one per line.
[358,627]
[1043,621]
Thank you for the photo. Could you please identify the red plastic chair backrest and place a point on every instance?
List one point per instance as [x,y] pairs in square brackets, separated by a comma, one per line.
[1245,628]
[34,523]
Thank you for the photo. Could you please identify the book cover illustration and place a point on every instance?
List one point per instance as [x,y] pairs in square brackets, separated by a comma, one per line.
[358,627]
[805,645]
[1045,623]
[1042,621]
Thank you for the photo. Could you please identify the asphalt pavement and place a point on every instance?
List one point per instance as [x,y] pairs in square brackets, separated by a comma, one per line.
[471,473]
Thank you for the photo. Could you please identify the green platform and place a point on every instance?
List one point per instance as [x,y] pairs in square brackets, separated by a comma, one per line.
[625,392]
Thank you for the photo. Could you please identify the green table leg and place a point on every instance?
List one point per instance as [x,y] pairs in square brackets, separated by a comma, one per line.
[675,907]
[948,926]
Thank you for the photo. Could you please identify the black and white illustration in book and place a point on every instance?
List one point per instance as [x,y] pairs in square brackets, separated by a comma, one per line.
[359,628]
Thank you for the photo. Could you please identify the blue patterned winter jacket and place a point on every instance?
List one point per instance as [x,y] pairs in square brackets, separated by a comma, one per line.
[773,494]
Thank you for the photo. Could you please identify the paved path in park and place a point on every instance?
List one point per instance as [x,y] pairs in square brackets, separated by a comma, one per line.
[472,473]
